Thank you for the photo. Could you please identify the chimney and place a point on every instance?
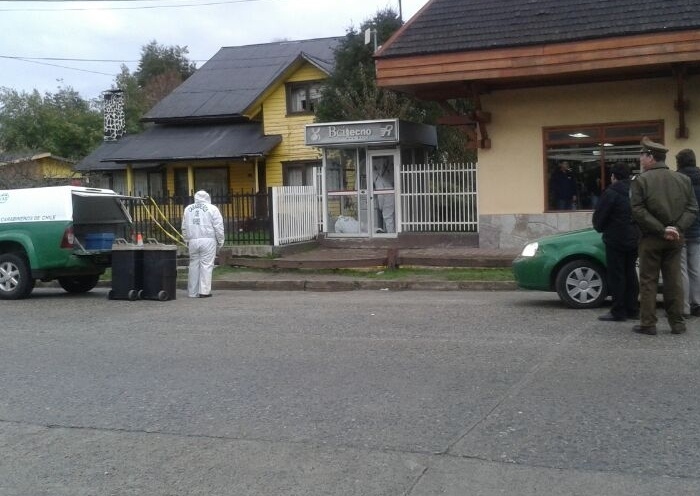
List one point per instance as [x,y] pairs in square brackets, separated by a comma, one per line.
[114,117]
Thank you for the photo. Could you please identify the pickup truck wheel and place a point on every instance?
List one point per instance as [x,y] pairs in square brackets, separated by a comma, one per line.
[16,281]
[78,284]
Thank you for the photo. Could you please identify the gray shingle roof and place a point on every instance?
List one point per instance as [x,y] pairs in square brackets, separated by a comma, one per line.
[227,84]
[464,25]
[162,143]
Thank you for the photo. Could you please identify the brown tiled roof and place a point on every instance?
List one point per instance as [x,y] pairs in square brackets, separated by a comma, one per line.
[464,25]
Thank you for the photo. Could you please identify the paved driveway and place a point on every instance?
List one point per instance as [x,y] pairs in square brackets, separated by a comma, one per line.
[362,392]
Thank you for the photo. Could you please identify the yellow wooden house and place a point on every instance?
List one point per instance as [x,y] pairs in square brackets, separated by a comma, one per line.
[236,126]
[36,169]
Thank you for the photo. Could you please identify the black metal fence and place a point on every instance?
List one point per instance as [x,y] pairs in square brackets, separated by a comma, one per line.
[246,217]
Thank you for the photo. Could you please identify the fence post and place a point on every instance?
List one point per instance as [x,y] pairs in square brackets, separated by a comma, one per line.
[272,214]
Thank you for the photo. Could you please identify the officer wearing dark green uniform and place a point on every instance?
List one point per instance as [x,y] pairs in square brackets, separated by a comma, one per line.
[663,205]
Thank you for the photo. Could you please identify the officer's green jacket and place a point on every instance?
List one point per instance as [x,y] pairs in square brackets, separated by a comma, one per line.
[660,197]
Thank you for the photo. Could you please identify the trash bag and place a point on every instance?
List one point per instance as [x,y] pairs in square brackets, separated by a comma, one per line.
[345,224]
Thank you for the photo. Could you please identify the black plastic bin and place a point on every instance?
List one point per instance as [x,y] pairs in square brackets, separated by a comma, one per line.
[159,272]
[127,271]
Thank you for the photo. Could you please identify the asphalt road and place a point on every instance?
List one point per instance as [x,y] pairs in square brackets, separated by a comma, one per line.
[343,393]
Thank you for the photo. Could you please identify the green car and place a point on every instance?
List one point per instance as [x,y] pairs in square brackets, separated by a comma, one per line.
[572,264]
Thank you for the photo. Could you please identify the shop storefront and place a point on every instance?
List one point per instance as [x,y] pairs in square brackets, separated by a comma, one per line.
[361,172]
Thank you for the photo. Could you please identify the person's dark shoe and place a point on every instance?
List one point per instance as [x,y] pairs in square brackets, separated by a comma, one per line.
[608,317]
[695,312]
[649,330]
[205,295]
[678,329]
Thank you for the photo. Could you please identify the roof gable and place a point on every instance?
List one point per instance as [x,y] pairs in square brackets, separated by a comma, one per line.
[236,77]
[464,25]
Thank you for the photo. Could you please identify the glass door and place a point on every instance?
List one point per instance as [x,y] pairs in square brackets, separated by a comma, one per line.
[346,196]
[360,197]
[382,194]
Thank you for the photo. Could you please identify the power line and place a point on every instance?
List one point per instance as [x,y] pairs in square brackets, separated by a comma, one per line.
[65,59]
[140,7]
[31,61]
[41,61]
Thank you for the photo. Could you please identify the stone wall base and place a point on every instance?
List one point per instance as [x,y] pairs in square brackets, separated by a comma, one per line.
[507,231]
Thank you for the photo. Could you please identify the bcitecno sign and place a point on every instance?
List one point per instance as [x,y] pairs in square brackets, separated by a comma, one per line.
[346,133]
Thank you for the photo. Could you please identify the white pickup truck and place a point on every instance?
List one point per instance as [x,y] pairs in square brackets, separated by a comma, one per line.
[63,233]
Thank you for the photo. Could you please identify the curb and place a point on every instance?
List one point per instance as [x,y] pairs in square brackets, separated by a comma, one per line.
[367,285]
[338,285]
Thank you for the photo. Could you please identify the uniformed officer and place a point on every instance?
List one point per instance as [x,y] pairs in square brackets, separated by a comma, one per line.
[664,206]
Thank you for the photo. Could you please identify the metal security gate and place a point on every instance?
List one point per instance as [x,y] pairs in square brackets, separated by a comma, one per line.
[439,198]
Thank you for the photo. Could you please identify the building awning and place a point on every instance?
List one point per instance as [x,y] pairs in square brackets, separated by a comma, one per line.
[167,143]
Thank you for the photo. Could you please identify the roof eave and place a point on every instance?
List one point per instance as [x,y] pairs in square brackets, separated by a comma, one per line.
[541,63]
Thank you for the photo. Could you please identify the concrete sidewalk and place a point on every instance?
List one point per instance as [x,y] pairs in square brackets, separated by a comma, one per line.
[339,258]
[304,280]
[297,270]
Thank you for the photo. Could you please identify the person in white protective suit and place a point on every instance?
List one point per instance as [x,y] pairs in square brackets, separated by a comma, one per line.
[203,230]
[384,203]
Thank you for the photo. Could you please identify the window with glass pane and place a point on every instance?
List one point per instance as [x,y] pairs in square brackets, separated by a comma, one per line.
[303,97]
[146,183]
[118,182]
[141,183]
[156,184]
[212,180]
[346,208]
[341,166]
[579,158]
[314,96]
[181,190]
[299,174]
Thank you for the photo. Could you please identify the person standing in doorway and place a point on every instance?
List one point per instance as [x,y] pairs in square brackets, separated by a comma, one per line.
[613,218]
[383,179]
[203,230]
[690,256]
[563,187]
[664,206]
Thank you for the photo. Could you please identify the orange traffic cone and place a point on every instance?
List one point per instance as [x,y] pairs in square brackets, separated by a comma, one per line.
[139,239]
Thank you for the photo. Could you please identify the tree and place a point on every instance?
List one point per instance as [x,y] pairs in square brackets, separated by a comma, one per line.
[160,70]
[66,125]
[61,123]
[351,92]
[157,60]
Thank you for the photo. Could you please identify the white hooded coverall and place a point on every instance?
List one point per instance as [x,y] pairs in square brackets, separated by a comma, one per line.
[203,230]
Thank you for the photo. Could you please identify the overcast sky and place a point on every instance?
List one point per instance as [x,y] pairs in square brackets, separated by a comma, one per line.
[38,38]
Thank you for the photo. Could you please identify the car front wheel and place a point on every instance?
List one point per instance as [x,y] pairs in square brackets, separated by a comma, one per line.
[16,281]
[582,284]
